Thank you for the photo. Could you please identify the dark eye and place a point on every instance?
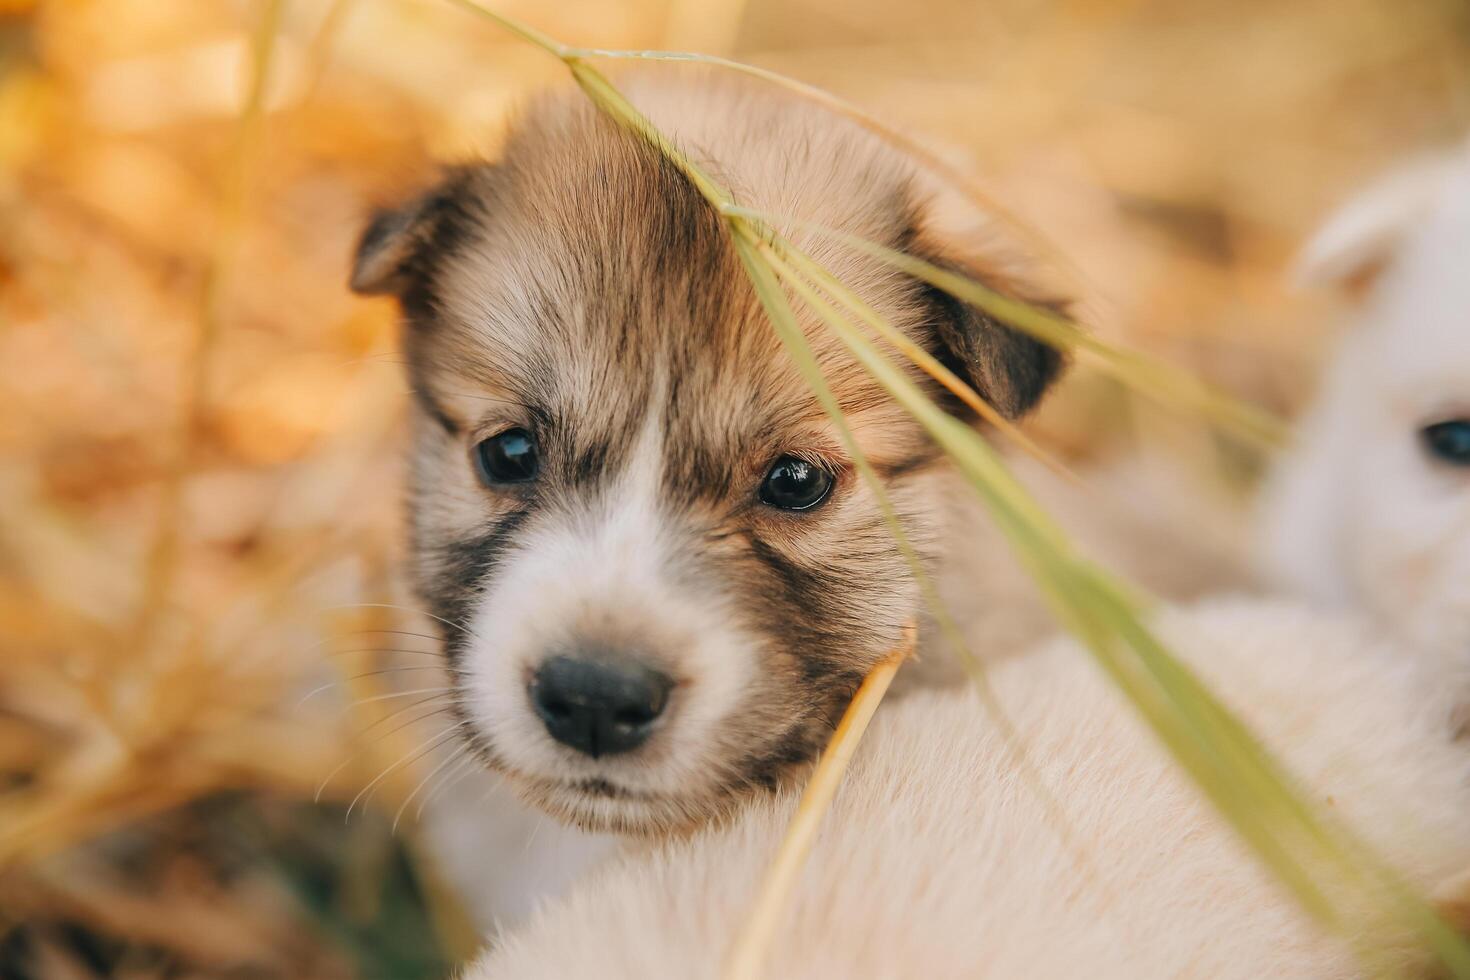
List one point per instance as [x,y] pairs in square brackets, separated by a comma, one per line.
[795,484]
[509,457]
[1448,441]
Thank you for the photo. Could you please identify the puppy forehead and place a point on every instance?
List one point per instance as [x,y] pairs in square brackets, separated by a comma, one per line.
[1412,352]
[598,326]
[593,349]
[1417,321]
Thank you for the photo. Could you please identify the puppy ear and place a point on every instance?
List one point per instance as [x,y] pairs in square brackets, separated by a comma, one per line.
[1355,244]
[385,249]
[1008,368]
[398,243]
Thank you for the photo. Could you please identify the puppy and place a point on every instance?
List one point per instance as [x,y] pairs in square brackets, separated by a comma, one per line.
[661,578]
[1373,510]
[938,860]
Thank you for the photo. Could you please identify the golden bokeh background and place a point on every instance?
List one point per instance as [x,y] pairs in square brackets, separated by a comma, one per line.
[200,429]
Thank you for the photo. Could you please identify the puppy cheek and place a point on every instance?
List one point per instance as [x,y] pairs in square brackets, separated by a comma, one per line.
[1413,571]
[1442,622]
[493,690]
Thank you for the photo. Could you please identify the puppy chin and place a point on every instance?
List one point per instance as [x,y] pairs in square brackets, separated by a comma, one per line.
[603,806]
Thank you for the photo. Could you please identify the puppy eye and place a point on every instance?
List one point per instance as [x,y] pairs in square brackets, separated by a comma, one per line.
[1448,441]
[795,484]
[509,457]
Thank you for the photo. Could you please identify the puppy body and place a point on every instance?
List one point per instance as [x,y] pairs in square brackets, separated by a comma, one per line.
[938,860]
[1146,523]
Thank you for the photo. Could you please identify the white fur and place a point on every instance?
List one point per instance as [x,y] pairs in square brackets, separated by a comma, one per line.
[1360,515]
[502,856]
[937,860]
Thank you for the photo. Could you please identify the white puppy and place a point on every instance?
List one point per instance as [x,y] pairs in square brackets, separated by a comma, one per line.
[1373,511]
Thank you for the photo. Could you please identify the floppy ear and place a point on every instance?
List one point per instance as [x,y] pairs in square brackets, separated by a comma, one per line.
[385,250]
[1009,369]
[399,244]
[1355,244]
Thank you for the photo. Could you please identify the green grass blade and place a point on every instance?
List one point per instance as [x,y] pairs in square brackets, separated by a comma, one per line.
[1043,548]
[1145,374]
[1233,769]
[761,269]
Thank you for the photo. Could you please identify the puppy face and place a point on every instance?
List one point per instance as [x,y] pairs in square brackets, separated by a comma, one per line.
[1375,510]
[1410,543]
[665,577]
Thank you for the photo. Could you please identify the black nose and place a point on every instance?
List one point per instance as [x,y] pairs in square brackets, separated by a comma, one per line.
[599,708]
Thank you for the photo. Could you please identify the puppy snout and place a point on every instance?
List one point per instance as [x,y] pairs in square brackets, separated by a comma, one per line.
[596,707]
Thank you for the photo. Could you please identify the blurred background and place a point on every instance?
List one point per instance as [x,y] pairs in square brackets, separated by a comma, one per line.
[205,654]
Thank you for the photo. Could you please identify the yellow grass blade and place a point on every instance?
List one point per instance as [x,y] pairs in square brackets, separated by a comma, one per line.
[753,941]
[929,160]
[162,558]
[520,29]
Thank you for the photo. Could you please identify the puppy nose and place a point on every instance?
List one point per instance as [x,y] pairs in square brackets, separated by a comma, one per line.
[599,708]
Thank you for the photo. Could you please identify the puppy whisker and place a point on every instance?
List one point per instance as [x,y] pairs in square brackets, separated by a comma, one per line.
[459,751]
[363,746]
[408,759]
[390,696]
[390,605]
[468,763]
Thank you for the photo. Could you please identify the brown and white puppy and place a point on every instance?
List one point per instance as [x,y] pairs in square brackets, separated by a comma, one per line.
[664,577]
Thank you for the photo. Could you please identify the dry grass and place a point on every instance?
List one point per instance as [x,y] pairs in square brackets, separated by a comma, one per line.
[172,315]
